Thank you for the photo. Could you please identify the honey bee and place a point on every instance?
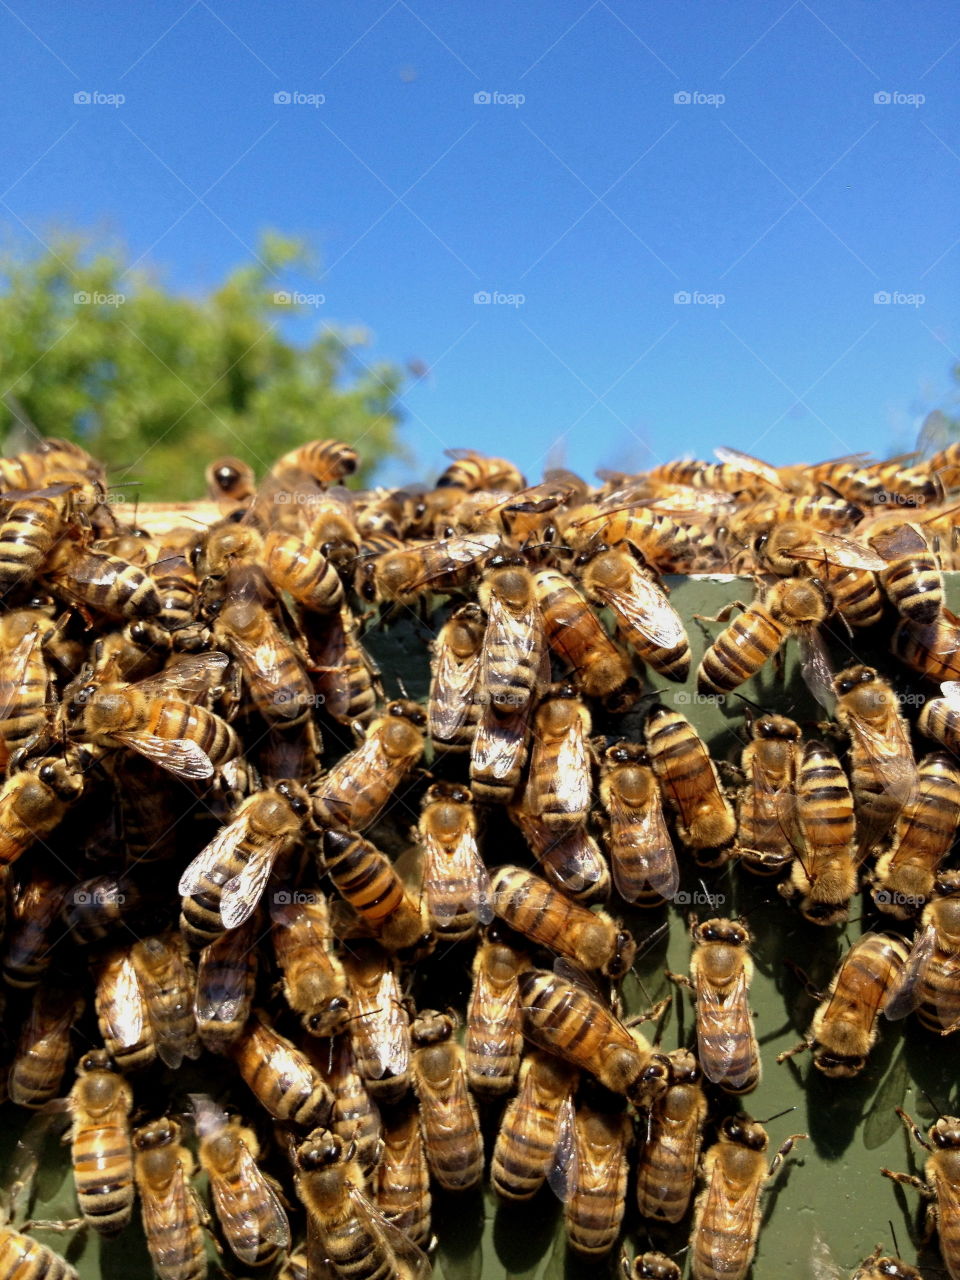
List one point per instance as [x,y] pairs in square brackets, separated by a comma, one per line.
[613,578]
[571,862]
[168,982]
[533,1126]
[33,467]
[766,805]
[597,1193]
[226,980]
[735,473]
[401,1180]
[314,983]
[325,461]
[939,1184]
[100,1103]
[823,877]
[846,568]
[30,524]
[929,985]
[251,1217]
[365,878]
[43,1047]
[222,886]
[29,948]
[279,1076]
[136,651]
[162,1167]
[494,1039]
[347,679]
[535,909]
[154,718]
[559,782]
[670,1150]
[878,1267]
[400,574]
[722,971]
[939,718]
[380,1024]
[904,876]
[911,577]
[649,1266]
[472,471]
[225,546]
[664,544]
[177,586]
[358,787]
[791,606]
[932,649]
[455,881]
[844,1027]
[453,706]
[95,908]
[24,694]
[689,781]
[448,1114]
[637,841]
[344,1228]
[498,754]
[355,1116]
[568,1020]
[726,1220]
[302,571]
[35,800]
[23,1258]
[576,637]
[122,1013]
[230,482]
[514,652]
[97,580]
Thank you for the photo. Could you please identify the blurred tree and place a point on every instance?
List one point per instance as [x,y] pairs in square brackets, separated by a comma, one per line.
[158,384]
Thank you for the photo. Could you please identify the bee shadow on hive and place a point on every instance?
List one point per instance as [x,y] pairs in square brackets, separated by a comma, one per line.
[458,1220]
[523,1233]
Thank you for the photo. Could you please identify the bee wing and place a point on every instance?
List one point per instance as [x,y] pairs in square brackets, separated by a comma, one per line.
[745,462]
[243,891]
[816,669]
[457,552]
[163,1223]
[221,1001]
[721,1026]
[180,756]
[571,972]
[452,691]
[501,1015]
[220,849]
[389,1037]
[249,1210]
[903,998]
[645,608]
[722,1204]
[950,689]
[519,635]
[188,677]
[15,669]
[413,1262]
[462,866]
[264,664]
[563,1175]
[891,755]
[901,540]
[641,852]
[126,1011]
[843,552]
[573,766]
[499,743]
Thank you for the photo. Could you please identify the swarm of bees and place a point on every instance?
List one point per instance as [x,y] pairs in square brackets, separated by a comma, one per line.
[272,927]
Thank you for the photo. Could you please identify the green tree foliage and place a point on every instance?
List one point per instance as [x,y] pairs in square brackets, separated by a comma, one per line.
[159,384]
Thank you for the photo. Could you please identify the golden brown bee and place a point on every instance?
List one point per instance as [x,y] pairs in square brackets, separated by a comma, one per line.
[494,1039]
[455,881]
[100,1103]
[930,984]
[162,1167]
[535,909]
[878,1267]
[34,801]
[514,654]
[279,1076]
[559,782]
[576,637]
[471,471]
[597,1192]
[325,461]
[25,692]
[399,574]
[823,877]
[401,1180]
[571,1022]
[29,948]
[355,1116]
[168,983]
[689,781]
[664,544]
[314,983]
[932,649]
[637,841]
[251,1217]
[844,1027]
[572,862]
[726,1221]
[23,1258]
[904,876]
[766,807]
[735,473]
[348,1231]
[346,677]
[302,571]
[30,524]
[380,1024]
[670,1142]
[97,580]
[225,546]
[32,468]
[649,1266]
[613,578]
[177,586]
[226,980]
[721,972]
[223,884]
[231,482]
[533,1126]
[453,707]
[95,908]
[122,1013]
[136,651]
[154,718]
[939,1184]
[365,878]
[940,717]
[498,753]
[358,787]
[43,1047]
[911,578]
[448,1114]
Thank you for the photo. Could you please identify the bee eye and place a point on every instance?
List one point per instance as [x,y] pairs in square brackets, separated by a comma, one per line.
[48,774]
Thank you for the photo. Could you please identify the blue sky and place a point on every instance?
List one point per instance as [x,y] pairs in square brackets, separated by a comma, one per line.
[579,193]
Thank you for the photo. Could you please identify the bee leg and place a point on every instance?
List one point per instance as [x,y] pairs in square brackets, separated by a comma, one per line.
[911,1127]
[653,1013]
[62,1224]
[680,979]
[797,1048]
[909,1180]
[725,613]
[785,1148]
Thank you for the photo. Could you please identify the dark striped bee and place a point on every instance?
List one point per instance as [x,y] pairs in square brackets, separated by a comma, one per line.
[100,1103]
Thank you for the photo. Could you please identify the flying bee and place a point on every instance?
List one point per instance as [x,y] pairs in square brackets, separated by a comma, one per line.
[844,1027]
[401,574]
[346,677]
[122,1013]
[453,706]
[767,801]
[514,648]
[637,841]
[230,482]
[846,568]
[494,1039]
[911,577]
[43,1047]
[689,781]
[939,718]
[559,782]
[226,980]
[532,907]
[649,1266]
[325,461]
[92,579]
[791,606]
[932,649]
[154,718]
[162,1168]
[472,471]
[596,1197]
[726,1221]
[365,878]
[303,571]
[380,1024]
[168,982]
[939,1184]
[533,1127]
[251,1217]
[279,1076]
[30,524]
[576,637]
[570,1021]
[401,1180]
[823,876]
[930,985]
[345,1229]
[360,784]
[35,800]
[448,1113]
[670,1142]
[721,973]
[25,691]
[904,876]
[222,886]
[314,983]
[455,881]
[572,862]
[613,578]
[100,1104]
[29,947]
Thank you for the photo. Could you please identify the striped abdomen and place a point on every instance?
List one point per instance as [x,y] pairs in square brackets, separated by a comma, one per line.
[173,719]
[363,875]
[28,532]
[915,586]
[594,1210]
[824,799]
[304,572]
[103,1169]
[401,1181]
[740,650]
[280,1076]
[856,595]
[176,584]
[22,1258]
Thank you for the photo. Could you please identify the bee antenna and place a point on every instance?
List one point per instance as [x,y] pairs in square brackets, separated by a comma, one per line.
[893,1237]
[777,1116]
[936,1109]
